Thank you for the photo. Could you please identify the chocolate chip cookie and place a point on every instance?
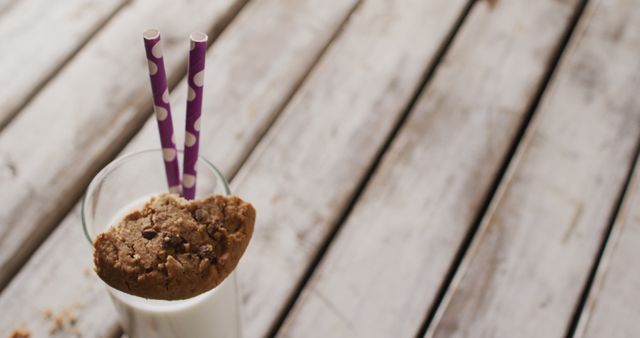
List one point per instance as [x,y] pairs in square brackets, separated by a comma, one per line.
[173,248]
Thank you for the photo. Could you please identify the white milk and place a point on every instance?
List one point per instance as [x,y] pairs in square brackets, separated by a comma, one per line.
[213,314]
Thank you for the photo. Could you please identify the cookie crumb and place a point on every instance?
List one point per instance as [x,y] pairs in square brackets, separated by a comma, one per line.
[65,321]
[69,317]
[20,333]
[57,324]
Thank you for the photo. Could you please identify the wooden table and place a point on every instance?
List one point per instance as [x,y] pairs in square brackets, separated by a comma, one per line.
[436,168]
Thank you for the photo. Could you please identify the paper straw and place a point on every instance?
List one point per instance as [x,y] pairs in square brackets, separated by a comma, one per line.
[195,79]
[162,107]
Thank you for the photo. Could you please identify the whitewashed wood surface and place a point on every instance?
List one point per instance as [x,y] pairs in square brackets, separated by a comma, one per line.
[252,70]
[348,166]
[300,98]
[37,37]
[6,5]
[383,271]
[526,268]
[612,308]
[304,171]
[78,121]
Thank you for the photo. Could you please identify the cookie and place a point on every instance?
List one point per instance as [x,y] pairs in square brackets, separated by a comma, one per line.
[173,248]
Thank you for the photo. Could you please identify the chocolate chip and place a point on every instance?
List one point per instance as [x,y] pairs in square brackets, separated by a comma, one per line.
[213,228]
[206,251]
[217,235]
[201,215]
[221,247]
[149,233]
[174,242]
[233,225]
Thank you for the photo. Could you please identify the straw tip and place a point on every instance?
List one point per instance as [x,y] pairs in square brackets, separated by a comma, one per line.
[151,33]
[199,37]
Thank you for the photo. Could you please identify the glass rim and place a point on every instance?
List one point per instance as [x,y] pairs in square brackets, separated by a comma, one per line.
[117,161]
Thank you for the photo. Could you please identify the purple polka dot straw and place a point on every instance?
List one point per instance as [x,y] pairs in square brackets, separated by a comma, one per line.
[195,80]
[162,108]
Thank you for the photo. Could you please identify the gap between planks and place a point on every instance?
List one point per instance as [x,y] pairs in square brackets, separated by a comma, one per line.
[503,176]
[575,48]
[335,229]
[590,284]
[119,333]
[236,41]
[606,236]
[322,287]
[234,170]
[265,160]
[6,120]
[117,146]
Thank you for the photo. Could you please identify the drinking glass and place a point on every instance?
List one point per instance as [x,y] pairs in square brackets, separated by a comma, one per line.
[125,184]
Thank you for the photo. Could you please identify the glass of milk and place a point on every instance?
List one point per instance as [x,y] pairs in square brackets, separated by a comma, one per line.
[126,184]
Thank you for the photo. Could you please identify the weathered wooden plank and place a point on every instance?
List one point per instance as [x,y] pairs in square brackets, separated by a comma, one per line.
[303,174]
[524,273]
[252,69]
[37,37]
[612,308]
[384,269]
[59,277]
[304,171]
[80,119]
[6,5]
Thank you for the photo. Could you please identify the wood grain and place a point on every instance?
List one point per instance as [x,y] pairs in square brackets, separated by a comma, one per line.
[252,69]
[524,273]
[59,277]
[382,273]
[303,174]
[37,37]
[6,5]
[83,116]
[612,308]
